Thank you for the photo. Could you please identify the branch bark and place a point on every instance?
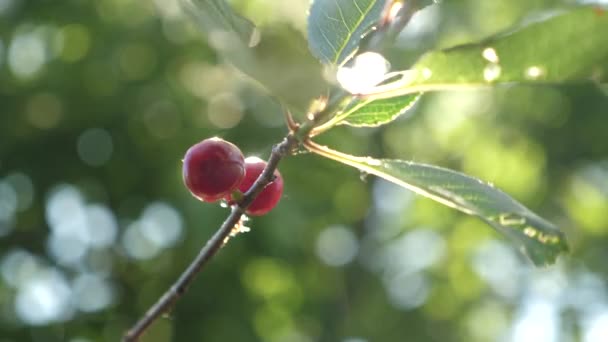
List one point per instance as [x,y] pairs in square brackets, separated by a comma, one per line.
[215,243]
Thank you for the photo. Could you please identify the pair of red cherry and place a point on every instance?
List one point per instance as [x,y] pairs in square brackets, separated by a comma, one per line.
[214,168]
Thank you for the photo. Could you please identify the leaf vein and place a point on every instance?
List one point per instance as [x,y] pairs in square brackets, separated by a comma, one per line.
[358,22]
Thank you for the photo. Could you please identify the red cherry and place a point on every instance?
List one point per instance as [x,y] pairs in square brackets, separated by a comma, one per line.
[213,168]
[270,196]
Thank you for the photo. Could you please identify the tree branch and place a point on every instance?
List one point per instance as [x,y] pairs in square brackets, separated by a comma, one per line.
[166,301]
[391,24]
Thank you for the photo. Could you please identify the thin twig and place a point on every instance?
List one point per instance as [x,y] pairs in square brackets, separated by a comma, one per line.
[291,123]
[166,301]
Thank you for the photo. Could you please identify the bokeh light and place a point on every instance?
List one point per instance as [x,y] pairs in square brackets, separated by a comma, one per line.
[499,267]
[95,146]
[337,246]
[18,266]
[92,292]
[158,228]
[7,5]
[24,189]
[8,207]
[27,54]
[45,298]
[73,42]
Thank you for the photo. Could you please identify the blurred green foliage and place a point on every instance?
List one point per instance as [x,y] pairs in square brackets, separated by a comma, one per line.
[99,101]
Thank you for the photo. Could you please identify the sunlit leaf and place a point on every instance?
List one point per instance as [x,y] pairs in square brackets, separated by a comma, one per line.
[216,17]
[276,58]
[567,47]
[335,27]
[372,113]
[540,240]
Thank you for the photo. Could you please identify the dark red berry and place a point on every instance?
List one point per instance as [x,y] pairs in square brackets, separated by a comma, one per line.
[270,196]
[213,168]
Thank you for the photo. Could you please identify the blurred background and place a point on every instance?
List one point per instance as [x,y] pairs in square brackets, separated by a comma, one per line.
[99,100]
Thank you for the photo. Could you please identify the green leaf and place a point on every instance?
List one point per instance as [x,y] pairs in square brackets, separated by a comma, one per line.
[568,47]
[541,241]
[277,59]
[217,17]
[335,27]
[373,113]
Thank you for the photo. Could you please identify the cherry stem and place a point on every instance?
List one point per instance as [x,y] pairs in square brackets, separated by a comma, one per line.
[215,243]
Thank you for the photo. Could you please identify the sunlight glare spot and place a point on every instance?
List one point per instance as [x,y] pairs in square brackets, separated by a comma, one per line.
[492,72]
[490,55]
[534,72]
[427,73]
[596,327]
[394,10]
[538,321]
[531,232]
[511,219]
[372,161]
[365,72]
